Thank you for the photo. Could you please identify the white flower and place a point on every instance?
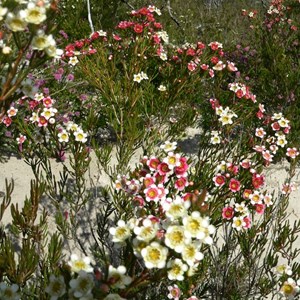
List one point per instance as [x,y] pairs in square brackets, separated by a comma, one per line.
[163,56]
[56,287]
[219,66]
[9,292]
[195,226]
[34,117]
[3,11]
[173,160]
[35,14]
[144,75]
[63,136]
[191,253]
[168,146]
[238,223]
[283,269]
[283,122]
[73,60]
[176,269]
[256,198]
[71,126]
[48,112]
[226,116]
[177,208]
[281,141]
[16,22]
[52,51]
[28,88]
[120,280]
[289,289]
[164,36]
[215,138]
[41,41]
[137,77]
[162,88]
[80,136]
[6,50]
[77,264]
[147,232]
[241,208]
[154,255]
[175,238]
[121,232]
[82,285]
[276,116]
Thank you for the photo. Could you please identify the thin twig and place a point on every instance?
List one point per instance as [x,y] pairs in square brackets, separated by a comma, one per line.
[128,4]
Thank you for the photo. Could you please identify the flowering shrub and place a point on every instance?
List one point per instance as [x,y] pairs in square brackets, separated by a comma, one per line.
[204,226]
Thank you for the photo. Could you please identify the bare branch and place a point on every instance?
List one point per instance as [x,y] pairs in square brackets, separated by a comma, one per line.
[90,16]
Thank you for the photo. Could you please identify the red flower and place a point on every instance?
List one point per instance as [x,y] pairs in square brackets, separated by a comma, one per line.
[138,28]
[214,60]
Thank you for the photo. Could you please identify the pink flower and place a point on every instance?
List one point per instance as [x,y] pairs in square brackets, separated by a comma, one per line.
[292,152]
[12,112]
[21,139]
[227,212]
[175,292]
[219,180]
[148,180]
[7,121]
[245,164]
[234,185]
[47,101]
[267,155]
[231,67]
[152,193]
[42,122]
[248,222]
[192,66]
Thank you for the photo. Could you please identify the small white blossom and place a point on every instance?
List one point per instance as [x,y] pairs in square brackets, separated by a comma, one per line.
[9,292]
[82,285]
[56,287]
[155,255]
[77,264]
[120,280]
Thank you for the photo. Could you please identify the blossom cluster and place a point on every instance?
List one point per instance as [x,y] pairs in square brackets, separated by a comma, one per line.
[43,115]
[274,137]
[243,199]
[168,230]
[269,137]
[86,281]
[29,18]
[290,288]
